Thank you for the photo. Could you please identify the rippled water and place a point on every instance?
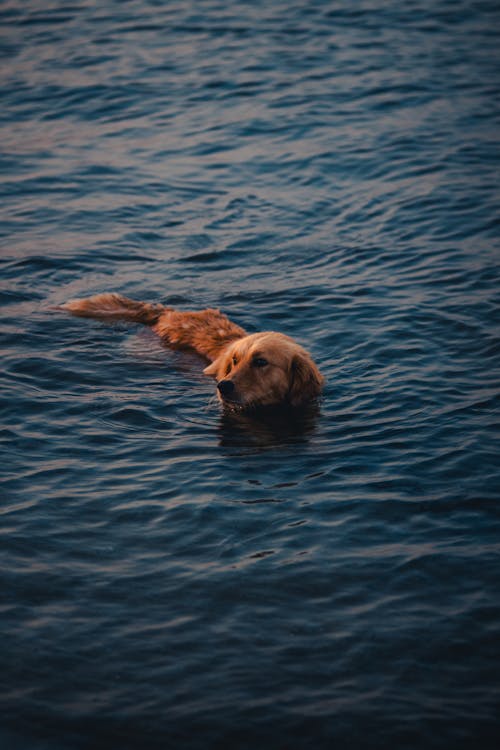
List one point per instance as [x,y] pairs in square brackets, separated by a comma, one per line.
[174,578]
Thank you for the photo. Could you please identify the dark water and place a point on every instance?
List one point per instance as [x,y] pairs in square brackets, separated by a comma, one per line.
[174,579]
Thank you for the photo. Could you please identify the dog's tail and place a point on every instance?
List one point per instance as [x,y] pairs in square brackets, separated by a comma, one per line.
[112,306]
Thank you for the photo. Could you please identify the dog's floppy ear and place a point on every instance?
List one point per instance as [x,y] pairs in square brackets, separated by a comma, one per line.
[213,367]
[219,366]
[306,380]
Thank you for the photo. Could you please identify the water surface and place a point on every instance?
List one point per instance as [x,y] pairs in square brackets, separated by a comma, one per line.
[175,578]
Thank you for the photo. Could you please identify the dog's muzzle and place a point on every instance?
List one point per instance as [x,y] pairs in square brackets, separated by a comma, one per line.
[226,388]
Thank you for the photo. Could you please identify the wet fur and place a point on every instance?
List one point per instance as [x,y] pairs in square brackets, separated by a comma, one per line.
[252,370]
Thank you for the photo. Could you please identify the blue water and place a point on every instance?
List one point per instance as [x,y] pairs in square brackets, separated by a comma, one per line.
[175,578]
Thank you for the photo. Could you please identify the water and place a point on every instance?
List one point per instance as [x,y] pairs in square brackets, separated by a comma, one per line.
[170,577]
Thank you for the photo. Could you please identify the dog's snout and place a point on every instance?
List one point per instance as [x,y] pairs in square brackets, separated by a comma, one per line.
[226,387]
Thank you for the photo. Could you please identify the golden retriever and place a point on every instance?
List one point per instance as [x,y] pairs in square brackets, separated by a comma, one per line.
[252,370]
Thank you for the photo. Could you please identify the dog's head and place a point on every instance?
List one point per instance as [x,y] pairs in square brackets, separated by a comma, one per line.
[265,369]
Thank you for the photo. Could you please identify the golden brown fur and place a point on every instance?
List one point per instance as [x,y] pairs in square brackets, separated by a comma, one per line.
[260,369]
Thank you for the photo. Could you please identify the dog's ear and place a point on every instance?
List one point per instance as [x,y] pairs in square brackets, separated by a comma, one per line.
[220,365]
[213,367]
[306,380]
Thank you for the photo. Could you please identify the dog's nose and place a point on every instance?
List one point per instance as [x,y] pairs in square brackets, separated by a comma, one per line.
[225,387]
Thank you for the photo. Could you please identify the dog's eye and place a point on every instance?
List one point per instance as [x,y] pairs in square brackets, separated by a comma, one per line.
[260,362]
[235,361]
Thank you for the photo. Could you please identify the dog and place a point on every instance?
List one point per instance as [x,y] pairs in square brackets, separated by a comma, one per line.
[252,370]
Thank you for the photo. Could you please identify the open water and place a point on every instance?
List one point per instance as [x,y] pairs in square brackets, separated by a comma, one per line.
[171,578]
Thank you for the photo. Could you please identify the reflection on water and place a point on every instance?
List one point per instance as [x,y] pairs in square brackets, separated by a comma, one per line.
[267,427]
